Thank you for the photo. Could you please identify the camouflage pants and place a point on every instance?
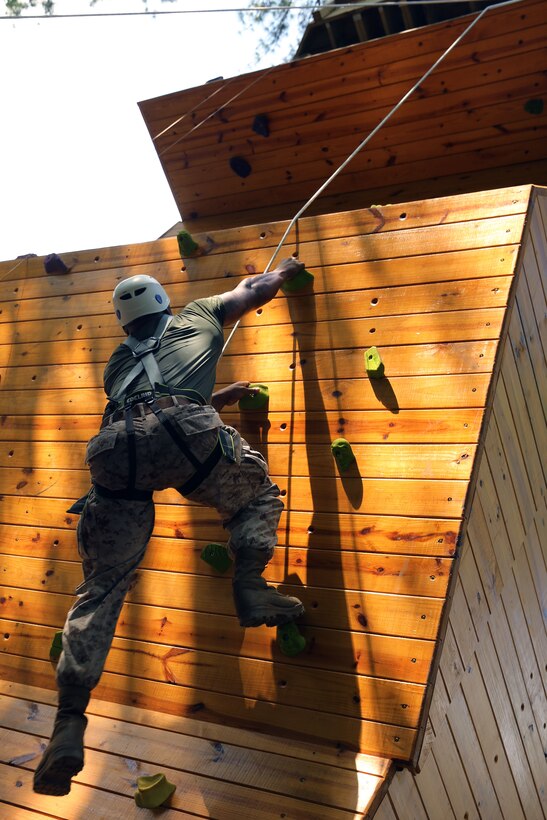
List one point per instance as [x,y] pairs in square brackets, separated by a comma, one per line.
[113,532]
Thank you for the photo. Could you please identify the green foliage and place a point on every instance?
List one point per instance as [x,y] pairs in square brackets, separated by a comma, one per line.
[15,7]
[276,26]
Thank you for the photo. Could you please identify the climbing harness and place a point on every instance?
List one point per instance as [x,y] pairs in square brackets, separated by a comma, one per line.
[122,407]
[367,139]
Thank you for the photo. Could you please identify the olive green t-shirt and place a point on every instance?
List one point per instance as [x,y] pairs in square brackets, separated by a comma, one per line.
[188,355]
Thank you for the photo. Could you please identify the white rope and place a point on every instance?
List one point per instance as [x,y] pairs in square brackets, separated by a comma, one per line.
[368,138]
[260,76]
[300,7]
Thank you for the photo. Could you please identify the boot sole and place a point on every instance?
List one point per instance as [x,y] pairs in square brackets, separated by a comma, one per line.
[266,617]
[56,776]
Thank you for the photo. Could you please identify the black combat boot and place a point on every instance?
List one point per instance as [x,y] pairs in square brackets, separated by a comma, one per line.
[64,756]
[256,603]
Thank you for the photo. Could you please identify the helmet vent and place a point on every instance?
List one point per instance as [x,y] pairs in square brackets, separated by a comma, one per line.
[139,291]
[125,296]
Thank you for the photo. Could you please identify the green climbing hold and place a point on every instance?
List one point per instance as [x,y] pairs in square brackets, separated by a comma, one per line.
[56,646]
[153,791]
[534,106]
[342,452]
[289,639]
[216,555]
[258,401]
[300,281]
[374,363]
[187,246]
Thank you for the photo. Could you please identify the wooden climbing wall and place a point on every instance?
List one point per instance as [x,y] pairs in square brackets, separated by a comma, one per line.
[478,122]
[484,754]
[369,552]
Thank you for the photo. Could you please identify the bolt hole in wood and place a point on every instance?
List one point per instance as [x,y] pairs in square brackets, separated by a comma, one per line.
[283,426]
[372,330]
[374,301]
[403,215]
[263,235]
[259,311]
[183,268]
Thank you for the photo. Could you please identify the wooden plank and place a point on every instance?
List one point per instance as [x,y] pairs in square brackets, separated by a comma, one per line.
[333,103]
[384,812]
[473,588]
[497,765]
[407,574]
[432,791]
[199,795]
[430,461]
[462,625]
[535,618]
[370,698]
[453,774]
[336,303]
[457,326]
[461,236]
[356,653]
[494,550]
[533,280]
[513,453]
[370,533]
[337,138]
[189,727]
[414,392]
[329,72]
[495,683]
[411,46]
[146,746]
[388,190]
[526,385]
[413,360]
[358,610]
[450,662]
[370,220]
[213,707]
[405,797]
[388,535]
[470,751]
[379,496]
[466,162]
[501,475]
[374,426]
[300,166]
[531,672]
[16,788]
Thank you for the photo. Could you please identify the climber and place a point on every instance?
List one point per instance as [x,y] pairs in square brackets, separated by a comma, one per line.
[161,428]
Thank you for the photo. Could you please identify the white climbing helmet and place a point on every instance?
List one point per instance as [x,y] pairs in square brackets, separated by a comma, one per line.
[138,296]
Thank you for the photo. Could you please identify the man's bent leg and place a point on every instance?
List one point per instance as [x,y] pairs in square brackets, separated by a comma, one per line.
[249,504]
[112,538]
[253,536]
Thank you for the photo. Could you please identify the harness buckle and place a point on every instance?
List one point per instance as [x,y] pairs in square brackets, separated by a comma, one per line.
[145,396]
[146,346]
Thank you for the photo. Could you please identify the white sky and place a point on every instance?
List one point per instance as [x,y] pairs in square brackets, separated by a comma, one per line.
[77,166]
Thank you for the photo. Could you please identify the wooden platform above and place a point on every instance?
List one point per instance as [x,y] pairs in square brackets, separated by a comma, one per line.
[478,122]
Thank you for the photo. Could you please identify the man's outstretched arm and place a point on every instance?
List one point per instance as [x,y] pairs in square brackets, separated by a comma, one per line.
[257,290]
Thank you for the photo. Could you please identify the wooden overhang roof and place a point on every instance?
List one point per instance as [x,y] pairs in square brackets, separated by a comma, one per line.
[478,122]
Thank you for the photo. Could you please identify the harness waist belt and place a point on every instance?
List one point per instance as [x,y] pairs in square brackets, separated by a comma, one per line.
[142,407]
[127,494]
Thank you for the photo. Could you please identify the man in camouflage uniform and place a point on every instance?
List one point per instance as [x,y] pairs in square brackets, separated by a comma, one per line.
[134,454]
